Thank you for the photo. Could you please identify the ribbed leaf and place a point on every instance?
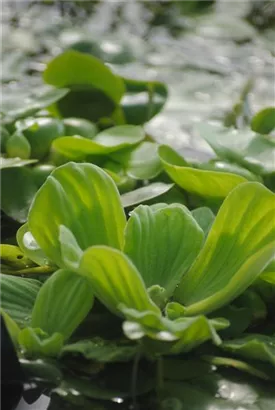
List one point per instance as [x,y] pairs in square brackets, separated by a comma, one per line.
[62,303]
[83,198]
[18,296]
[239,246]
[211,184]
[254,347]
[162,243]
[115,280]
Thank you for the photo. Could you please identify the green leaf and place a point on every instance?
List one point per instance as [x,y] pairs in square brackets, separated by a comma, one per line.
[209,184]
[62,303]
[103,351]
[18,296]
[71,253]
[182,335]
[79,126]
[18,189]
[162,243]
[253,346]
[74,68]
[145,193]
[115,280]
[12,257]
[40,132]
[24,107]
[18,146]
[35,342]
[244,147]
[83,198]
[142,162]
[264,121]
[110,140]
[222,166]
[30,247]
[15,162]
[204,217]
[239,246]
[143,100]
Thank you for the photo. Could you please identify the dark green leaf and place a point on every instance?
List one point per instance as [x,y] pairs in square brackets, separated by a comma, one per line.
[18,296]
[264,121]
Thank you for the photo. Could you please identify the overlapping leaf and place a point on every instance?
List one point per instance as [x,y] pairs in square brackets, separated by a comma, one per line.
[211,184]
[115,280]
[62,303]
[239,246]
[83,198]
[110,140]
[163,243]
[18,296]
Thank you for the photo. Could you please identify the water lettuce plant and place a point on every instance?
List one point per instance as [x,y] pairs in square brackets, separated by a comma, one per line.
[171,277]
[122,256]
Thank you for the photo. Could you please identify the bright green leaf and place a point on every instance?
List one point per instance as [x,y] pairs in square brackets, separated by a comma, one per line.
[62,303]
[239,246]
[162,243]
[30,247]
[83,198]
[12,258]
[71,253]
[110,140]
[74,68]
[35,342]
[115,280]
[210,184]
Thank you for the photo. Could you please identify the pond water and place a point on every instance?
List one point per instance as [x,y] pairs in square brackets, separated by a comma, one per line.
[205,58]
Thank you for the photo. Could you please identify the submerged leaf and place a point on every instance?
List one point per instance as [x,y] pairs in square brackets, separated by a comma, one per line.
[100,350]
